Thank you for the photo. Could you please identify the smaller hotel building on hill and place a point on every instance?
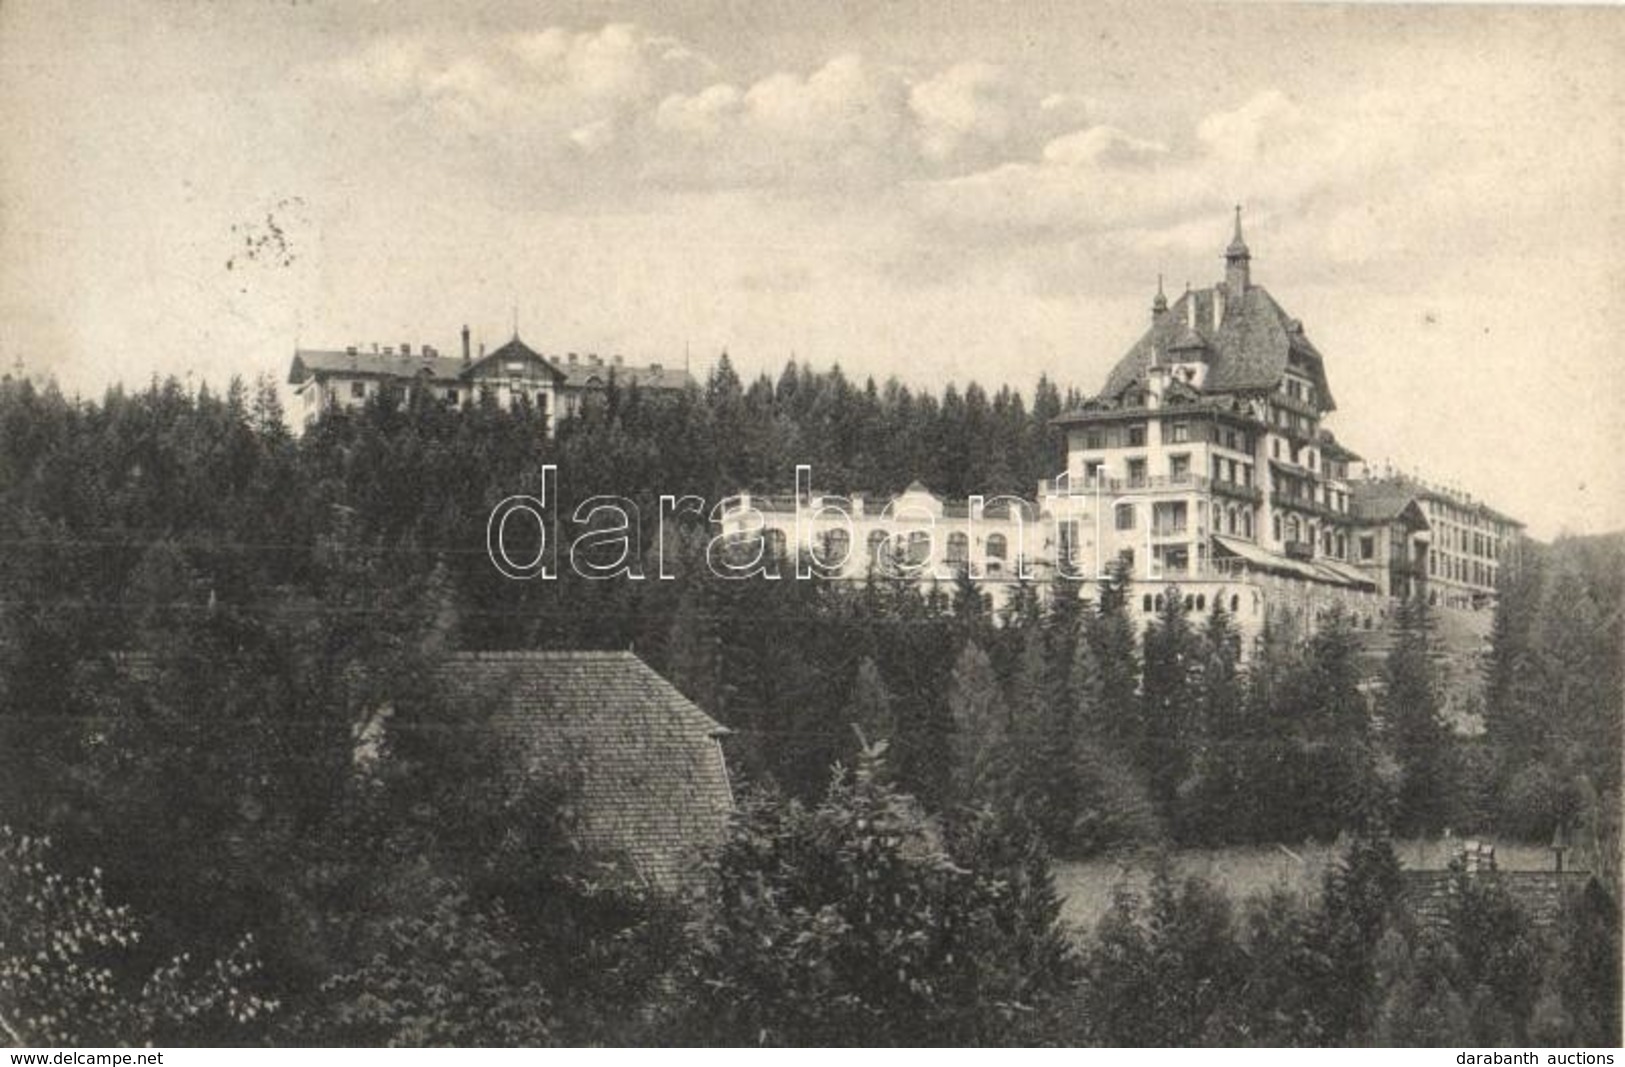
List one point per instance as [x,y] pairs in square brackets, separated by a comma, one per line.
[513,375]
[1206,460]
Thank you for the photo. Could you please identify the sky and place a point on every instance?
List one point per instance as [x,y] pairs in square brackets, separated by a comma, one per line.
[940,191]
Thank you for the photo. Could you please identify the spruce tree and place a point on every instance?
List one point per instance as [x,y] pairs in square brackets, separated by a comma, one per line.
[1421,740]
[980,723]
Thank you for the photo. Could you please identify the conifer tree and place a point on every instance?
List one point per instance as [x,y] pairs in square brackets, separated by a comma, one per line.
[1169,703]
[1422,742]
[980,723]
[870,705]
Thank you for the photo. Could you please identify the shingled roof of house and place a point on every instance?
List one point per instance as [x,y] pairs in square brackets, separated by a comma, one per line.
[1249,348]
[648,376]
[1385,499]
[309,361]
[649,784]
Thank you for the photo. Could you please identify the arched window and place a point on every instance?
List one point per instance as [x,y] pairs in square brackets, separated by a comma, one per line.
[1190,602]
[997,548]
[877,546]
[1246,523]
[1158,602]
[1294,529]
[1201,601]
[1277,527]
[919,548]
[1145,603]
[1235,603]
[837,547]
[958,548]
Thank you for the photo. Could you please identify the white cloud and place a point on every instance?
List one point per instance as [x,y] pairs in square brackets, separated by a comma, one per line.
[969,102]
[594,136]
[1265,125]
[1102,146]
[846,102]
[703,115]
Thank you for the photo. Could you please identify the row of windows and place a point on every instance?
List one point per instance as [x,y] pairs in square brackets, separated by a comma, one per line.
[1193,602]
[1468,542]
[358,391]
[1459,569]
[1438,509]
[1232,471]
[1328,541]
[1133,435]
[914,548]
[1294,488]
[1291,420]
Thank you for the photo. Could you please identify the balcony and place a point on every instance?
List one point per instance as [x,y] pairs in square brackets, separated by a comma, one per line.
[1306,408]
[1301,550]
[1308,506]
[1250,493]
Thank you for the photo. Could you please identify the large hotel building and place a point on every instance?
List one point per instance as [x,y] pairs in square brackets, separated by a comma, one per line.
[1206,460]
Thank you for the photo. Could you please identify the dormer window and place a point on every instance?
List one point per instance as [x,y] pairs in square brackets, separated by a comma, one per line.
[1136,436]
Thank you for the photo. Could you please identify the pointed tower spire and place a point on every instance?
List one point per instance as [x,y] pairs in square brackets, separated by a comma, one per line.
[1160,303]
[1237,263]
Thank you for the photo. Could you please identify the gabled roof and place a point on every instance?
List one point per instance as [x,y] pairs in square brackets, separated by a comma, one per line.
[650,781]
[1385,500]
[514,350]
[1249,350]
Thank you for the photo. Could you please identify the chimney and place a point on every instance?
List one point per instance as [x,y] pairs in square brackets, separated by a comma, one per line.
[482,349]
[572,358]
[350,350]
[406,348]
[466,356]
[617,360]
[655,368]
[388,351]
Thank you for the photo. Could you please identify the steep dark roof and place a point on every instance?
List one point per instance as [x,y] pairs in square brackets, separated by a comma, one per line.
[1383,500]
[652,376]
[645,761]
[514,350]
[1396,485]
[1249,350]
[308,362]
